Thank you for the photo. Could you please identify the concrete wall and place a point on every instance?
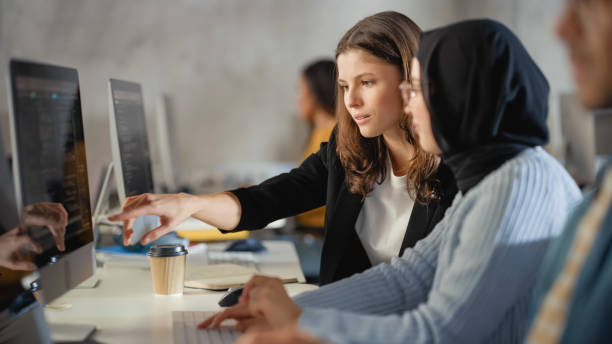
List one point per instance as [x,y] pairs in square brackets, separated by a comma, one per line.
[229,66]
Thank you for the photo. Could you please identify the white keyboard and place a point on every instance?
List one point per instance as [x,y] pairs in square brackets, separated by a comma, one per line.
[246,259]
[185,329]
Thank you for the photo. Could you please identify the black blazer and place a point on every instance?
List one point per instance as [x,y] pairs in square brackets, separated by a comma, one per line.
[320,180]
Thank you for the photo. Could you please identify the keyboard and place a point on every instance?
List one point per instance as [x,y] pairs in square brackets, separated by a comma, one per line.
[185,330]
[246,259]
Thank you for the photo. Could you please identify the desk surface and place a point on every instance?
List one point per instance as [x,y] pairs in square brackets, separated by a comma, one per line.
[124,308]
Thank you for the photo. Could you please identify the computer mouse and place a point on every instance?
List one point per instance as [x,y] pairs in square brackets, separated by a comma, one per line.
[231,297]
[248,244]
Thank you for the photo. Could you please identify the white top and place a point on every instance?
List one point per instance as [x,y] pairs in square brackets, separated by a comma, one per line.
[383,219]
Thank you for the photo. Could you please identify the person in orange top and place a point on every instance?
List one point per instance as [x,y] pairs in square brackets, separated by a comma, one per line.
[316,104]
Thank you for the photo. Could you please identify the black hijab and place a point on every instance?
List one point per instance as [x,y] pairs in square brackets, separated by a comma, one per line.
[487,99]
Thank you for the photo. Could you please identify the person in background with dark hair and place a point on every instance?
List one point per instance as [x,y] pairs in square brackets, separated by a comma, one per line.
[573,298]
[381,190]
[477,99]
[317,105]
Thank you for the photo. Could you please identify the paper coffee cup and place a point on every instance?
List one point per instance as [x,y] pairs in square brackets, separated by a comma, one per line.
[168,268]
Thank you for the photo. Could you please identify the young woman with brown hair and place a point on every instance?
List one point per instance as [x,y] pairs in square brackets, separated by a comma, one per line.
[382,192]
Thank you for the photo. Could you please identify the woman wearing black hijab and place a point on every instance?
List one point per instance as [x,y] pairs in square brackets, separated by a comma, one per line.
[478,100]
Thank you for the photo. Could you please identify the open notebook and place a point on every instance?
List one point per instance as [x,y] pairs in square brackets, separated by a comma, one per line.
[221,276]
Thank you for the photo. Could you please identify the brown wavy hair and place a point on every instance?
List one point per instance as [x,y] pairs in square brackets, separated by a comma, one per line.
[394,38]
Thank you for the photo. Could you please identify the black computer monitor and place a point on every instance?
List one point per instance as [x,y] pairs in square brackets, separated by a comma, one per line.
[130,144]
[130,148]
[164,134]
[49,165]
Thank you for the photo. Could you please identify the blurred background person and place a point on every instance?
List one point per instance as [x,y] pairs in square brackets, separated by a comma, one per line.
[317,105]
[316,101]
[572,302]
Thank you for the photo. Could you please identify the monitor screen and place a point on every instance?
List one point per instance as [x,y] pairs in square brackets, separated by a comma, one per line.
[49,150]
[164,130]
[132,139]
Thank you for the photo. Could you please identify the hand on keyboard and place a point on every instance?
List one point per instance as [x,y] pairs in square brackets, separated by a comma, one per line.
[185,331]
[264,304]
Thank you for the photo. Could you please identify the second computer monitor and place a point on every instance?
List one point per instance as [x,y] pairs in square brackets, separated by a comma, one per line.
[163,128]
[130,145]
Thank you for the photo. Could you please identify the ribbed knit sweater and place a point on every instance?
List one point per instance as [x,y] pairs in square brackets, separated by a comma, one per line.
[470,280]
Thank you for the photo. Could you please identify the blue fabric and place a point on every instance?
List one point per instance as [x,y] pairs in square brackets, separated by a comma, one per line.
[590,314]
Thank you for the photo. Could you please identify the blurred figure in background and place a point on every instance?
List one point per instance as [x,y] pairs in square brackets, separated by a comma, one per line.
[317,104]
[572,301]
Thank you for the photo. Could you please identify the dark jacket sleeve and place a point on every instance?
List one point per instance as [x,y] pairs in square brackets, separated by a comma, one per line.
[288,194]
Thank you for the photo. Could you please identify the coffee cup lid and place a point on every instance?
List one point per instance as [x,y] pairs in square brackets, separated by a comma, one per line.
[171,250]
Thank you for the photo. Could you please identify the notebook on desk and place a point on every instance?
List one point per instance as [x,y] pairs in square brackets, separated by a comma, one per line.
[222,276]
[213,268]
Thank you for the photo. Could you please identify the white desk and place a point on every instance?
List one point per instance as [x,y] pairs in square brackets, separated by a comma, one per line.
[124,308]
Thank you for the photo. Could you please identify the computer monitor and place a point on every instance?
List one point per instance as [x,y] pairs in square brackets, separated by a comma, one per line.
[130,148]
[603,139]
[578,132]
[49,165]
[587,142]
[21,317]
[163,128]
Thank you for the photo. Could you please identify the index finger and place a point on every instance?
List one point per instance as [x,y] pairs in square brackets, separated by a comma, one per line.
[129,205]
[240,311]
[127,231]
[132,213]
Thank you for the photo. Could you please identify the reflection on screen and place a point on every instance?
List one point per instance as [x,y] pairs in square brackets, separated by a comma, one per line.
[132,135]
[10,286]
[52,163]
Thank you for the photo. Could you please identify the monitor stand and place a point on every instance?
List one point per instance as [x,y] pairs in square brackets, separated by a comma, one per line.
[103,204]
[140,226]
[28,327]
